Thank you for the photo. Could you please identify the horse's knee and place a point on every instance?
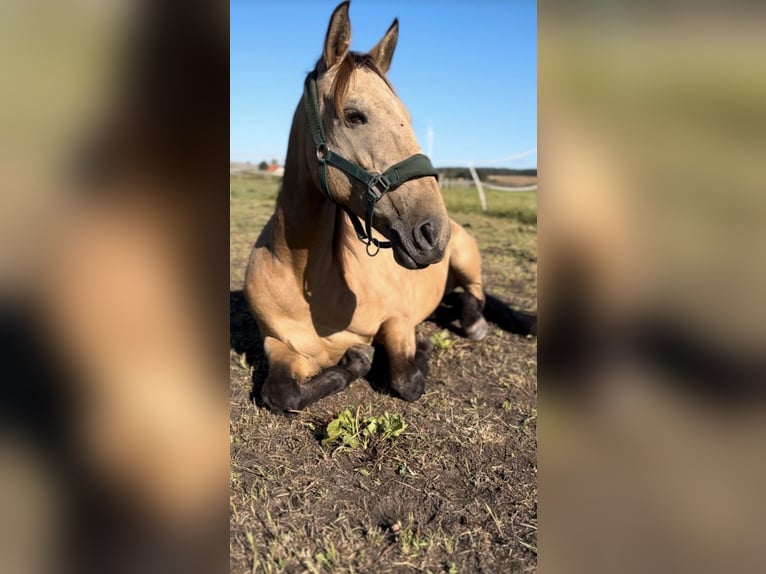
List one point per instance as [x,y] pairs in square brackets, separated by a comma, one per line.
[281,394]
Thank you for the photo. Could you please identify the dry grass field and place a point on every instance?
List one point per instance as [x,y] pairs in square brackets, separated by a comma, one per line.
[454,492]
[513,180]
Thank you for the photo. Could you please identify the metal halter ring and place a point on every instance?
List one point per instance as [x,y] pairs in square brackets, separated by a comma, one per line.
[322,152]
[374,242]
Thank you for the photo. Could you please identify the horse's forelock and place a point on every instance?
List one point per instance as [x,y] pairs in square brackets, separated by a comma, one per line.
[340,83]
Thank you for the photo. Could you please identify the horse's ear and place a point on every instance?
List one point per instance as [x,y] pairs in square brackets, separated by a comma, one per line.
[338,36]
[384,50]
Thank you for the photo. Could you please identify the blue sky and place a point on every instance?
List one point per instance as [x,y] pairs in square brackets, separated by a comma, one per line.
[467,70]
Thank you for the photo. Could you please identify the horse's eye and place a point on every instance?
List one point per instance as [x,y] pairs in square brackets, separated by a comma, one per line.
[354,117]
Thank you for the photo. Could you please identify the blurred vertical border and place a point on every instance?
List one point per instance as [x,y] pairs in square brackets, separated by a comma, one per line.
[652,353]
[113,278]
[113,241]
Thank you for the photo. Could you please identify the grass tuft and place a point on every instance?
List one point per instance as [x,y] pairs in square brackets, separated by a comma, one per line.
[352,432]
[441,340]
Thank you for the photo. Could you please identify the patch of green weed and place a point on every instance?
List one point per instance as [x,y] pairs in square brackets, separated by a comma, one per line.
[442,340]
[351,431]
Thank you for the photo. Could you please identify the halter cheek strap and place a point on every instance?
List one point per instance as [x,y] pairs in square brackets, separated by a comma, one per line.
[377,184]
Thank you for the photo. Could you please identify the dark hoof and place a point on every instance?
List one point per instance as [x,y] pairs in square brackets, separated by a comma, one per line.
[423,351]
[425,346]
[358,360]
[478,330]
[413,389]
[281,397]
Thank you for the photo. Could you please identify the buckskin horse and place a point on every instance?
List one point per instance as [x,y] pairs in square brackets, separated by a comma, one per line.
[360,249]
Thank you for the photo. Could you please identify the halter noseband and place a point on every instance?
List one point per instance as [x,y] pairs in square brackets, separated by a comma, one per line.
[378,184]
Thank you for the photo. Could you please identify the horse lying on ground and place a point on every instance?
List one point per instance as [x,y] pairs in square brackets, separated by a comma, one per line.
[360,249]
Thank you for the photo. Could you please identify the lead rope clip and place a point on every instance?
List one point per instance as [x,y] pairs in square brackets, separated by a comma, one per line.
[373,241]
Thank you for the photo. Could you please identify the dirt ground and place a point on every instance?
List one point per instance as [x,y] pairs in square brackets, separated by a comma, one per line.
[456,492]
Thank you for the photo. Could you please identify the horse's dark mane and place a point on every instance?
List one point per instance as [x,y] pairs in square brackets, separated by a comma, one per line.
[340,83]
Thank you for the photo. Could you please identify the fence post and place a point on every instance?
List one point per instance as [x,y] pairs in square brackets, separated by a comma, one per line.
[479,188]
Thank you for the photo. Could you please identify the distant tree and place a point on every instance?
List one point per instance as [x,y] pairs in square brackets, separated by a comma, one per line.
[274,162]
[263,166]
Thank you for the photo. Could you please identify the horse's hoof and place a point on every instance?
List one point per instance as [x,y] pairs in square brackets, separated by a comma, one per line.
[413,389]
[478,330]
[425,346]
[411,395]
[281,397]
[358,360]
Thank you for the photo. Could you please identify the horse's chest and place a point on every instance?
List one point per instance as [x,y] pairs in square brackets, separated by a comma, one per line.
[387,290]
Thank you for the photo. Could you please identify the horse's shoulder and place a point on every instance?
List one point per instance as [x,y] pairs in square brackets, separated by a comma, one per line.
[266,275]
[266,279]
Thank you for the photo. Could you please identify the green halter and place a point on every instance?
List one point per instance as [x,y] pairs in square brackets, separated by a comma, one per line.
[378,184]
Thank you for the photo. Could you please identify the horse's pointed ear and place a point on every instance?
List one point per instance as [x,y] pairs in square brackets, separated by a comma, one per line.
[384,50]
[338,36]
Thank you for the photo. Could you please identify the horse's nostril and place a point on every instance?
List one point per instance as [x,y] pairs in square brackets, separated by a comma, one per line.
[427,235]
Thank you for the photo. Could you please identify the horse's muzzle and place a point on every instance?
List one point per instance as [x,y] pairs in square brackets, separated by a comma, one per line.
[424,245]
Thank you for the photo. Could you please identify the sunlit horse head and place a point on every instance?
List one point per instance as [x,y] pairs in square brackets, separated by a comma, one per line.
[360,248]
[355,115]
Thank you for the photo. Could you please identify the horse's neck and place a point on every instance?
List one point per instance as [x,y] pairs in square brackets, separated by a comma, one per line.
[306,223]
[309,230]
[307,217]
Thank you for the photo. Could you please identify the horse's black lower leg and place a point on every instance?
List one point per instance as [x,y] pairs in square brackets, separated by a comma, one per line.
[422,354]
[408,376]
[471,319]
[282,393]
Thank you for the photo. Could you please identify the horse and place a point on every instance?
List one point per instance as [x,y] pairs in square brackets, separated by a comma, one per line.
[359,249]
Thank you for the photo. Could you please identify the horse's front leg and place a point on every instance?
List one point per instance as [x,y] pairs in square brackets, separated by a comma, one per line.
[407,358]
[292,383]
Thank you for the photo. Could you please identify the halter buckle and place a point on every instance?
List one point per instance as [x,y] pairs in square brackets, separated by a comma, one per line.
[378,187]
